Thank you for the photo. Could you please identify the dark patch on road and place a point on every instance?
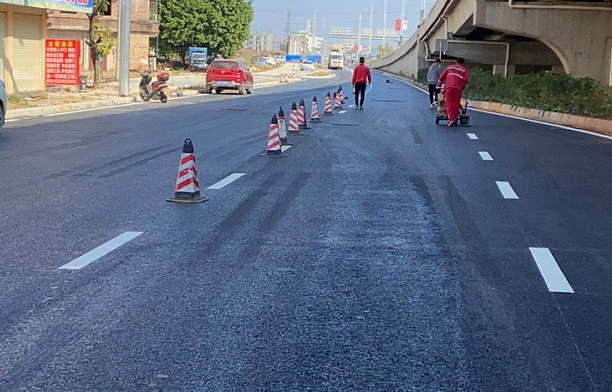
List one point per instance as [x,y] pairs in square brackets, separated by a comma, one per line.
[389,100]
[415,135]
[346,124]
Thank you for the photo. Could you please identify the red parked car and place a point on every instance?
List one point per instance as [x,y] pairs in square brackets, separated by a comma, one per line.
[229,75]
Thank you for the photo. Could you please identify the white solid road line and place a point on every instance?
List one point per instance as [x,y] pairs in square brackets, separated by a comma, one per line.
[506,190]
[506,115]
[485,156]
[226,181]
[100,251]
[472,136]
[552,274]
[92,109]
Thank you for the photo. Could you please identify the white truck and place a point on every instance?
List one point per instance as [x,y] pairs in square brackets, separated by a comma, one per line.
[336,60]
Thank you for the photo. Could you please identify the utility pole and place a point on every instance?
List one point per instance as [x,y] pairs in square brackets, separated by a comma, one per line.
[124,47]
[384,32]
[403,16]
[288,30]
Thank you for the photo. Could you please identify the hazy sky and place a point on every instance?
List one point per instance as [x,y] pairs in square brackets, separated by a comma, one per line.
[272,14]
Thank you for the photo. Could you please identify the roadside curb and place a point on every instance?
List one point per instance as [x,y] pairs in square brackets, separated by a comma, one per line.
[15,114]
[52,109]
[596,125]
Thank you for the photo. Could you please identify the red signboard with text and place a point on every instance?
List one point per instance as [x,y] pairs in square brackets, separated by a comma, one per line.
[62,62]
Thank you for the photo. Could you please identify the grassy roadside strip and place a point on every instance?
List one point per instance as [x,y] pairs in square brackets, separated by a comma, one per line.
[557,93]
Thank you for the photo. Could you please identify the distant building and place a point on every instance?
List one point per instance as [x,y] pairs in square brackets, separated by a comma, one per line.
[304,43]
[263,42]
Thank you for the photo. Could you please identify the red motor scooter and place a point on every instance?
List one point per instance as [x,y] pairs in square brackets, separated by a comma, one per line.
[153,90]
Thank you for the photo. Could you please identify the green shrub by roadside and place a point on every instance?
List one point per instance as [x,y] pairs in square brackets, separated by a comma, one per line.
[553,92]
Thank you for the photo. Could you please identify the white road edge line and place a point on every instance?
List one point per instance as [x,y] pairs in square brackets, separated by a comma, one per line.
[226,181]
[550,271]
[12,120]
[92,109]
[506,190]
[506,115]
[485,156]
[472,136]
[100,251]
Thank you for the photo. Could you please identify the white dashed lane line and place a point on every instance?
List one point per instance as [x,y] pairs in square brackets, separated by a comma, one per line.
[506,190]
[226,181]
[472,136]
[550,271]
[101,251]
[342,111]
[485,156]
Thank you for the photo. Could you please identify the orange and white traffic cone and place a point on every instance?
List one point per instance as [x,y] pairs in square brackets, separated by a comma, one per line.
[303,124]
[314,113]
[301,114]
[328,106]
[274,143]
[282,128]
[338,100]
[187,188]
[294,126]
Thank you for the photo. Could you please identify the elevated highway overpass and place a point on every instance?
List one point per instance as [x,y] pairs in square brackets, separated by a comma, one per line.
[512,37]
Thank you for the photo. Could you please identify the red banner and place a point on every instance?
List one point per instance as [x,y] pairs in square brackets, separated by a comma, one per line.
[62,62]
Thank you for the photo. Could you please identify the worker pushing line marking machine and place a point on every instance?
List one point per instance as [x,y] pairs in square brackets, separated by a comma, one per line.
[442,110]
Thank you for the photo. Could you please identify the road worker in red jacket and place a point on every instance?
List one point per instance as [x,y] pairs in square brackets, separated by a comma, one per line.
[361,76]
[455,78]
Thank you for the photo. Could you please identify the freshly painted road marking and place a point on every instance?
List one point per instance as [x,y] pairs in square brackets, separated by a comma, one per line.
[550,271]
[472,136]
[101,250]
[285,148]
[485,156]
[342,111]
[506,190]
[226,181]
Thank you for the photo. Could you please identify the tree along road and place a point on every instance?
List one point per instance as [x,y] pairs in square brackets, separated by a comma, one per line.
[385,253]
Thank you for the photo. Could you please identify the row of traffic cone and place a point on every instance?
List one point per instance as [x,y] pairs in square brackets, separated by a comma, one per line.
[187,189]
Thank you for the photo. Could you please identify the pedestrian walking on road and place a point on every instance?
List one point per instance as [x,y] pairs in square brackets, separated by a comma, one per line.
[455,77]
[433,75]
[361,77]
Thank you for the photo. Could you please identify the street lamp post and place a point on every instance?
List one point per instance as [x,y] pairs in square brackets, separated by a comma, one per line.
[359,32]
[371,23]
[124,48]
[384,31]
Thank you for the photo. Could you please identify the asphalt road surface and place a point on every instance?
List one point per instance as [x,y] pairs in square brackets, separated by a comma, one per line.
[385,253]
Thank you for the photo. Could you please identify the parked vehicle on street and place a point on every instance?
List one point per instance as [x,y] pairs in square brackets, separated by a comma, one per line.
[224,74]
[280,59]
[336,61]
[307,66]
[154,90]
[3,102]
[270,61]
[197,62]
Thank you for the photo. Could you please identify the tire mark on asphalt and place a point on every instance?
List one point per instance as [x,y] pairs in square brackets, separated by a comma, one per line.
[468,229]
[139,163]
[276,212]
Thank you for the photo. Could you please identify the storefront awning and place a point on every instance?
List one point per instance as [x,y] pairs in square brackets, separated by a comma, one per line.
[85,6]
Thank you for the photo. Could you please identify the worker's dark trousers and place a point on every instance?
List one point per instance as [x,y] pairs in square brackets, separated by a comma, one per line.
[359,89]
[433,93]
